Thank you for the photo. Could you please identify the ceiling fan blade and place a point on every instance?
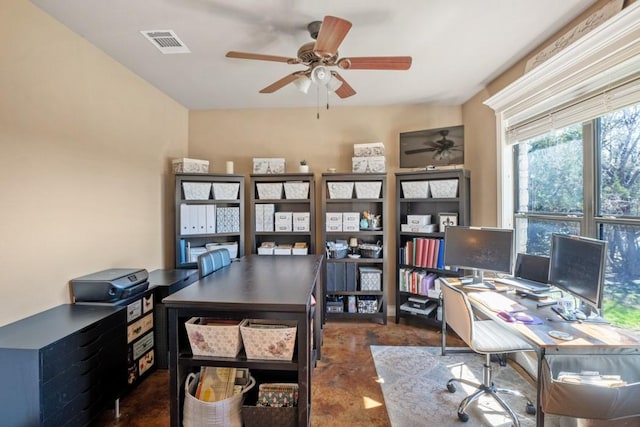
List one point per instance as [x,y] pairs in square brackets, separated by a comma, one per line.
[375,63]
[345,90]
[419,150]
[260,57]
[332,33]
[281,83]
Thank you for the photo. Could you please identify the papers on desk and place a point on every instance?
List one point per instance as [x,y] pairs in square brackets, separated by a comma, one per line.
[591,378]
[497,302]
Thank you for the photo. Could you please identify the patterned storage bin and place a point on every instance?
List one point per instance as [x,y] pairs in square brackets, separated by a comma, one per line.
[367,304]
[415,189]
[196,190]
[268,339]
[370,279]
[340,190]
[368,190]
[444,188]
[269,190]
[296,190]
[218,338]
[225,190]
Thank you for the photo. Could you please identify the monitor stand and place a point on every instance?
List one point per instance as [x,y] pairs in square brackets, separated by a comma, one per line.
[477,281]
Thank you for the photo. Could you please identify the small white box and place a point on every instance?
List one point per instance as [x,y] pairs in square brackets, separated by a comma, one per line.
[296,190]
[300,248]
[418,220]
[373,149]
[444,188]
[268,165]
[334,221]
[351,217]
[435,291]
[259,217]
[282,250]
[415,189]
[269,190]
[266,248]
[186,165]
[301,221]
[347,226]
[429,228]
[284,221]
[340,190]
[368,189]
[196,190]
[225,190]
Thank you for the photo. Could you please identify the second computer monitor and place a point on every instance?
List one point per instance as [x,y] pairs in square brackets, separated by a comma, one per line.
[479,249]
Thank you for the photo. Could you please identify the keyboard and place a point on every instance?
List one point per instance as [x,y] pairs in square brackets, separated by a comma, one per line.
[524,284]
[497,302]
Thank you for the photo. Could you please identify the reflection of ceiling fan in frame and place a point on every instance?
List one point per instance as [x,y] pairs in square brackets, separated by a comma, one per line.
[322,55]
[442,149]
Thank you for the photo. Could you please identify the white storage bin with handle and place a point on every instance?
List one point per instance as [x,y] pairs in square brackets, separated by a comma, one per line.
[223,413]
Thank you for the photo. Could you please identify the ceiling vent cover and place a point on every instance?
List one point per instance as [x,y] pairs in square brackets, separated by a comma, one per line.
[166,41]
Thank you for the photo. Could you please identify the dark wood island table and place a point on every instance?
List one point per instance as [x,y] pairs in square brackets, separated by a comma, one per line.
[256,287]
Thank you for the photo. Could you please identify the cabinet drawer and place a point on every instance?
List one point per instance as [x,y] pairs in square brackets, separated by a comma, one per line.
[143,345]
[138,328]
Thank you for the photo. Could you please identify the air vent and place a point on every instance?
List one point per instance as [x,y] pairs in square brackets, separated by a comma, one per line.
[166,41]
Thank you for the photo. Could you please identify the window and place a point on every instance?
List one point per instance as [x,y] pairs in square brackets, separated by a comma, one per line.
[591,164]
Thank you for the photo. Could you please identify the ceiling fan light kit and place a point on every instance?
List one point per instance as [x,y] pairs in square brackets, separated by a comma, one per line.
[321,55]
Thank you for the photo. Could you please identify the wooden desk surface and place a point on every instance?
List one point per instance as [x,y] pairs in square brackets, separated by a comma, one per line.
[585,334]
[256,283]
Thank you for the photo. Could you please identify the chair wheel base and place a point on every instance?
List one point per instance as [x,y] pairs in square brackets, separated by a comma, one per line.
[463,417]
[451,387]
[531,408]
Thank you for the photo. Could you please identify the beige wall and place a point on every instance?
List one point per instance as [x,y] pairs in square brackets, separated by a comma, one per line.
[327,142]
[85,148]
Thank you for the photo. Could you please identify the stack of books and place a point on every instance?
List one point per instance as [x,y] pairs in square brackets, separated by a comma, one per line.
[591,378]
[220,383]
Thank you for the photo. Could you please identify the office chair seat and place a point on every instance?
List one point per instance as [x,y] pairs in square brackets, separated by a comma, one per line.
[484,337]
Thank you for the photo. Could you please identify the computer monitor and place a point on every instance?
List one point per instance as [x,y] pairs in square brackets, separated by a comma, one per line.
[532,267]
[479,249]
[577,266]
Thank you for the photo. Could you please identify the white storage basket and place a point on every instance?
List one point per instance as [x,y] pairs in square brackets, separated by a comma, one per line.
[368,190]
[269,190]
[340,190]
[225,190]
[444,188]
[224,413]
[415,189]
[296,190]
[196,190]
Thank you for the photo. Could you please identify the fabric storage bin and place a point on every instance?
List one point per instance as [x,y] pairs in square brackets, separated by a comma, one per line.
[415,189]
[268,339]
[368,189]
[219,340]
[224,413]
[186,165]
[261,416]
[370,279]
[196,190]
[225,190]
[586,400]
[269,190]
[340,190]
[296,190]
[444,188]
[367,304]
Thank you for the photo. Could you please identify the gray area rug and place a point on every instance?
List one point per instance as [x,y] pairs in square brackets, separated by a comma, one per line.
[413,381]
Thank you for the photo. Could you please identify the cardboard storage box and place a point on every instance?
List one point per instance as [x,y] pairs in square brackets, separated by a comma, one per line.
[301,221]
[334,221]
[372,149]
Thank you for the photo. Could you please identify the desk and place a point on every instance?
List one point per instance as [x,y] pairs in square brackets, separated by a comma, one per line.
[257,287]
[592,339]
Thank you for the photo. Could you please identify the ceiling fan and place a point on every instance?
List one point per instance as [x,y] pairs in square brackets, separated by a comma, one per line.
[442,148]
[321,55]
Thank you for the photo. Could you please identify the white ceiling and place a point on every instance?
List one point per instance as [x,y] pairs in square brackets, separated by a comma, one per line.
[458,46]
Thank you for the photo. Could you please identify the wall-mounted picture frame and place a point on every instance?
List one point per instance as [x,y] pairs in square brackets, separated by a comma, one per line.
[446,219]
[432,147]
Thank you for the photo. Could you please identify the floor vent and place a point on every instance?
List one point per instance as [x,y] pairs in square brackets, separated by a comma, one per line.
[166,41]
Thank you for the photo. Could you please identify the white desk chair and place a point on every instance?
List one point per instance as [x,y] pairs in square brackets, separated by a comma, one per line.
[484,337]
